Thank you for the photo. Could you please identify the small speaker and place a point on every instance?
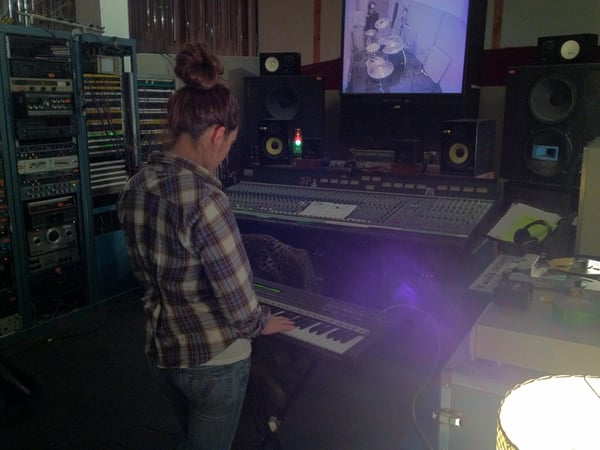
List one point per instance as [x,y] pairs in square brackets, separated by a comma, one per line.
[279,63]
[572,48]
[274,147]
[468,146]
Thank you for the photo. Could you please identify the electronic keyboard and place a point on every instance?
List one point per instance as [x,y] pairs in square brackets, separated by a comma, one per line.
[334,328]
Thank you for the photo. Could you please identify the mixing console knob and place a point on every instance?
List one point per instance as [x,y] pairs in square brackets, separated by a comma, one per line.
[53,235]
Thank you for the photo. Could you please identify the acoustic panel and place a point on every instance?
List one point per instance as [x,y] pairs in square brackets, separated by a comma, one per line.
[587,243]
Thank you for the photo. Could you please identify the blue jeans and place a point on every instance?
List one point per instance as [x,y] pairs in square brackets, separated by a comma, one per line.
[207,401]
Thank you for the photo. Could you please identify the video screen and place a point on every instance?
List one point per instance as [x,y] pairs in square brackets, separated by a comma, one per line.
[545,152]
[404,46]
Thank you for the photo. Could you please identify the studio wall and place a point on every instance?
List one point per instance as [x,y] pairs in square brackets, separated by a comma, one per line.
[288,25]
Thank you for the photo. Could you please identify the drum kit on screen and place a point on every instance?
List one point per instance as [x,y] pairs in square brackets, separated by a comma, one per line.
[385,52]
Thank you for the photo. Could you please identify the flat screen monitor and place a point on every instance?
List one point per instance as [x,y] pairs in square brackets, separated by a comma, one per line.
[409,64]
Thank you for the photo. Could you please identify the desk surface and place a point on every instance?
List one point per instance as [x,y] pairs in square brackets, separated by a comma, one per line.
[535,339]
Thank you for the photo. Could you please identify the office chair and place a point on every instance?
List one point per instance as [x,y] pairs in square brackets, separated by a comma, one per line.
[276,261]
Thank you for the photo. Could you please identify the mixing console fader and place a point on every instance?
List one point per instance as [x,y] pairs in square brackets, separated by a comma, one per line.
[435,215]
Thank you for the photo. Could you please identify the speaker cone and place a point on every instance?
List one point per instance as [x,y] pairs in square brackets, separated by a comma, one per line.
[570,49]
[552,99]
[274,147]
[283,102]
[458,154]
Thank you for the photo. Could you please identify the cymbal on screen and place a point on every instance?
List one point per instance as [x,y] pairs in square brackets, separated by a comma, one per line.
[382,23]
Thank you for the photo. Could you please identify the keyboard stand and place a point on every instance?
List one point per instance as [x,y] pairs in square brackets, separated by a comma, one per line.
[271,438]
[269,426]
[342,332]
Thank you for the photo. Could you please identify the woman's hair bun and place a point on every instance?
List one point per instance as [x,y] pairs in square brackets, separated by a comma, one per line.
[198,67]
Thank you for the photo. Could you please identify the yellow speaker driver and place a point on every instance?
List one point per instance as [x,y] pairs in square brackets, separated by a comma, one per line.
[458,153]
[274,146]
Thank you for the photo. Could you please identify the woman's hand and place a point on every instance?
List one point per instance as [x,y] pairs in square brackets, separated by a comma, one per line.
[277,324]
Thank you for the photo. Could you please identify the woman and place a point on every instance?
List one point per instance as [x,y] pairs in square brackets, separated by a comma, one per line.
[372,16]
[185,247]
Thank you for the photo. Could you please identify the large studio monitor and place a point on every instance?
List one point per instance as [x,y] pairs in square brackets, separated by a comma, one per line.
[274,108]
[551,113]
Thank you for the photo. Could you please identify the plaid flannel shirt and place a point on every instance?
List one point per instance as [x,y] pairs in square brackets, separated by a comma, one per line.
[187,254]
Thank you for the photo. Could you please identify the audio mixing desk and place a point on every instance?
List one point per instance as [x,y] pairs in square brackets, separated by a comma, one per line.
[437,215]
[370,237]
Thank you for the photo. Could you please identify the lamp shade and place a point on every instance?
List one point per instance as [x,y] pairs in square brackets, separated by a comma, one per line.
[559,412]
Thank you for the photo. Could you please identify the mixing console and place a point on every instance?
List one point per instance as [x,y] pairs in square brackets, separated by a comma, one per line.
[438,215]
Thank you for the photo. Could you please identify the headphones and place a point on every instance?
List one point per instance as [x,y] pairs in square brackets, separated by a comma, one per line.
[526,242]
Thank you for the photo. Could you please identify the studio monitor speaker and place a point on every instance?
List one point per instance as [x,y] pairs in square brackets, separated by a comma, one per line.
[297,100]
[468,146]
[572,48]
[551,113]
[279,63]
[274,137]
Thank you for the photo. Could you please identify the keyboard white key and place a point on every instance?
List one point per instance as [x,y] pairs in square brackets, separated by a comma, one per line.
[322,341]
